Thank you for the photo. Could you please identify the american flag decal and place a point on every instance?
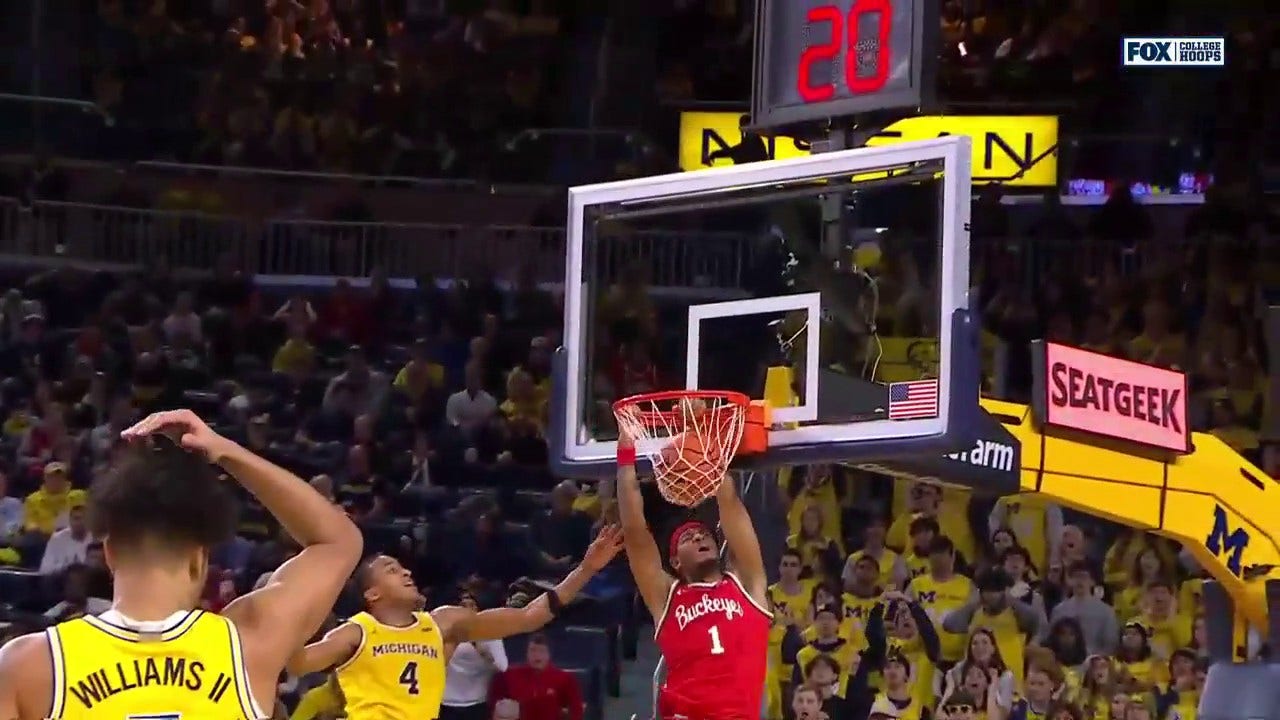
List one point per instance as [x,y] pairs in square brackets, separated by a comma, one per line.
[913,400]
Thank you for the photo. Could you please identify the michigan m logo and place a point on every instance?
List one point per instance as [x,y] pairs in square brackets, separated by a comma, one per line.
[1224,541]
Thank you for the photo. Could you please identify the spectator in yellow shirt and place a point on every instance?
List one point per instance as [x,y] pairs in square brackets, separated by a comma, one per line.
[45,510]
[1010,621]
[524,409]
[1190,594]
[1187,674]
[862,590]
[1066,640]
[940,591]
[420,374]
[296,357]
[824,593]
[1103,682]
[816,489]
[1128,545]
[1149,567]
[921,534]
[891,567]
[926,502]
[818,549]
[1168,630]
[1036,523]
[791,595]
[827,641]
[1134,655]
[1158,344]
[1228,427]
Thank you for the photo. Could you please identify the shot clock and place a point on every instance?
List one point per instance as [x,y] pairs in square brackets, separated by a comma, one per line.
[818,59]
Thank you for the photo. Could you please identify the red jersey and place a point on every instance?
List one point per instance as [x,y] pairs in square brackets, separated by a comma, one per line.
[714,639]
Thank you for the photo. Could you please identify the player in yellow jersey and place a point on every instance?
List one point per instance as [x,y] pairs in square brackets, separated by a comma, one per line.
[391,658]
[153,655]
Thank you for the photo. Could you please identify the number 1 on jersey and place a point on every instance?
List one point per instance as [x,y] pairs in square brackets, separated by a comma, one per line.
[716,647]
[409,677]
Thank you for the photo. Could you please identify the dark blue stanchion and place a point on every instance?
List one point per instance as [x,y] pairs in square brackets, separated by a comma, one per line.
[1237,691]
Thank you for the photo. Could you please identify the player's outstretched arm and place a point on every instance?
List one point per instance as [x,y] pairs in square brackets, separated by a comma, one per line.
[652,581]
[336,647]
[466,625]
[744,546]
[26,678]
[282,615]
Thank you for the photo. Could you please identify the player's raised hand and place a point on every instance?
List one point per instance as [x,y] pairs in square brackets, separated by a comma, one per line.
[604,548]
[624,438]
[183,427]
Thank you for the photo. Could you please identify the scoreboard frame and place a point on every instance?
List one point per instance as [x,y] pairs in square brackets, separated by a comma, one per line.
[770,109]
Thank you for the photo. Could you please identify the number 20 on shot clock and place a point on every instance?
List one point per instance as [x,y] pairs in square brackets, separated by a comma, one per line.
[817,59]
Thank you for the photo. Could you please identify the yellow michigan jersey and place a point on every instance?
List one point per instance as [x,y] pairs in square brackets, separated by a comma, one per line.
[842,651]
[939,597]
[397,673]
[189,666]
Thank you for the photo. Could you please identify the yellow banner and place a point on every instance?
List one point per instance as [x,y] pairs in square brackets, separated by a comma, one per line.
[1020,150]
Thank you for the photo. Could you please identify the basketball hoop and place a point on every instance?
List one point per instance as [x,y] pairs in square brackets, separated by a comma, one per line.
[693,436]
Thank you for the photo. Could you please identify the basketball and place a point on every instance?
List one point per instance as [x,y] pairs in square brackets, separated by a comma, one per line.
[690,473]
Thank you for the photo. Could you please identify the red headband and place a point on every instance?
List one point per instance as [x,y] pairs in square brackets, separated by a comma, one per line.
[680,531]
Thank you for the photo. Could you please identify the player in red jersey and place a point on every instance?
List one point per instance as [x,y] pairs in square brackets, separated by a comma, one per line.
[712,625]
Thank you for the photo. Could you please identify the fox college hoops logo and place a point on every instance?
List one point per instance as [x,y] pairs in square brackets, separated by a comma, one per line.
[1174,52]
[706,605]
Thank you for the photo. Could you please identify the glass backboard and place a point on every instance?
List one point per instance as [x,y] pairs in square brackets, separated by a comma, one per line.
[834,285]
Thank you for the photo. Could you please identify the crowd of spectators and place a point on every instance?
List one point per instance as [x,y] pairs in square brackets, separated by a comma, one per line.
[1116,286]
[949,606]
[443,89]
[422,413]
[354,86]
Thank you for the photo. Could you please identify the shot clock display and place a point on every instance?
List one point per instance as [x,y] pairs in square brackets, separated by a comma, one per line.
[817,59]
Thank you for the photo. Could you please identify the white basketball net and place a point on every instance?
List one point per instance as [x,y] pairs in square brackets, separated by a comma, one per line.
[701,435]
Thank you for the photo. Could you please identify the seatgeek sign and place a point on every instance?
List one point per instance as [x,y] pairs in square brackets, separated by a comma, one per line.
[1093,393]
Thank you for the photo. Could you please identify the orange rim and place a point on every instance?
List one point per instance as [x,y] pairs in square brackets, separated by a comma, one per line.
[632,405]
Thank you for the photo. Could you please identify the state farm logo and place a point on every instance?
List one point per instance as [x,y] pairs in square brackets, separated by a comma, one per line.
[1094,393]
[707,605]
[985,453]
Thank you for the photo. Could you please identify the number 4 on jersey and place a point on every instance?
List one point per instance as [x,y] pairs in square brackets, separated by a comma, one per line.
[409,677]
